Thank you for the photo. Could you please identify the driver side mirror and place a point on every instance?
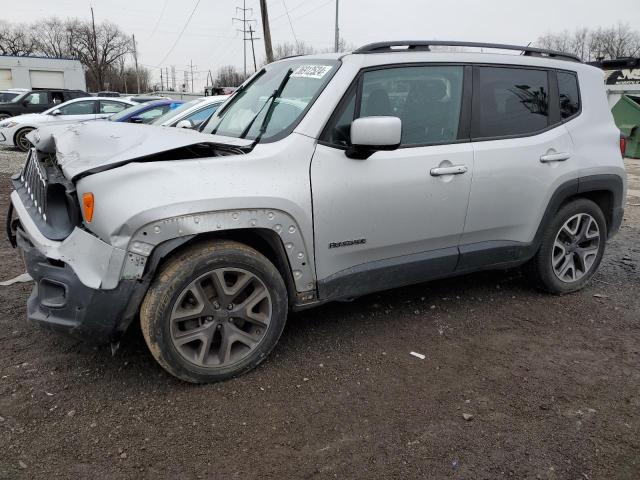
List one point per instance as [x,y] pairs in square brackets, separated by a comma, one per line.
[56,112]
[25,103]
[136,119]
[370,134]
[184,124]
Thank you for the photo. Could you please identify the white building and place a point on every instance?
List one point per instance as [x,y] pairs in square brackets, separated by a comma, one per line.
[41,72]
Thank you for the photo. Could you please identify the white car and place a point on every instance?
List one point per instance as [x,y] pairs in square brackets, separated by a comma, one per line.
[13,130]
[191,114]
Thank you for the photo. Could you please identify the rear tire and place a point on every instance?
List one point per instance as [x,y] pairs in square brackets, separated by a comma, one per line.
[214,311]
[571,249]
[21,141]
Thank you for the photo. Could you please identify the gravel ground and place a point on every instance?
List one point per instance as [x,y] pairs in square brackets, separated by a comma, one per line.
[552,385]
[11,160]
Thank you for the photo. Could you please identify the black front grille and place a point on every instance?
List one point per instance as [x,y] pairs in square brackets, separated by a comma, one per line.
[34,180]
[48,196]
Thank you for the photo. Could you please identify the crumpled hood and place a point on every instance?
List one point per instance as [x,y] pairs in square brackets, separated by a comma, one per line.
[95,145]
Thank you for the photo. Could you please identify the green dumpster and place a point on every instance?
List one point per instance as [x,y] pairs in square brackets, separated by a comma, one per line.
[626,114]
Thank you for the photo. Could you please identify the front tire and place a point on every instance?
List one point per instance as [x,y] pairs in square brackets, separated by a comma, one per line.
[572,248]
[214,311]
[21,140]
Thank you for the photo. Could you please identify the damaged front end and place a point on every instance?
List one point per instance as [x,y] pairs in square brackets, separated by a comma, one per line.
[78,286]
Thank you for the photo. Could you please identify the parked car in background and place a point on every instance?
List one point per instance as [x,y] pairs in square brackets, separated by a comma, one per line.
[11,93]
[146,112]
[191,114]
[144,98]
[107,93]
[36,101]
[13,130]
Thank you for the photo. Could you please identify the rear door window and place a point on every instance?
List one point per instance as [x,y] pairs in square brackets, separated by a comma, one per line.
[84,107]
[107,106]
[509,101]
[569,94]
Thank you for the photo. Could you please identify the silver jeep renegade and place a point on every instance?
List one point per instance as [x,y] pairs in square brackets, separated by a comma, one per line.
[323,177]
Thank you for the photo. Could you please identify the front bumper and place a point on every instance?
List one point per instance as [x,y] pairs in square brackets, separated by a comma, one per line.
[61,302]
[6,137]
[78,290]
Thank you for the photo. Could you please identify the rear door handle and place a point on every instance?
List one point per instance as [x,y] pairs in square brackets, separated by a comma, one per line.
[555,157]
[452,170]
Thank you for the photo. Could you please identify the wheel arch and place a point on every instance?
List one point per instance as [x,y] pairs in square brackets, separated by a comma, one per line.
[605,190]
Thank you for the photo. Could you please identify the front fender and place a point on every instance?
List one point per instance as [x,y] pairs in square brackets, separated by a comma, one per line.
[148,237]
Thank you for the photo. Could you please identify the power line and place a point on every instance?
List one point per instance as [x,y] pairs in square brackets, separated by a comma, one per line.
[181,32]
[290,24]
[166,2]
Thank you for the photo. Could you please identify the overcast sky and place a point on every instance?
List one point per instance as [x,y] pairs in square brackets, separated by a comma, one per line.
[211,40]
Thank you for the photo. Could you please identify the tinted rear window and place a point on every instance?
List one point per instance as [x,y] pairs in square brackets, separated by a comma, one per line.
[569,94]
[510,101]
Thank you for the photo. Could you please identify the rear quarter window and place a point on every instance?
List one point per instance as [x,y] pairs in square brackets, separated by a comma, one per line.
[569,95]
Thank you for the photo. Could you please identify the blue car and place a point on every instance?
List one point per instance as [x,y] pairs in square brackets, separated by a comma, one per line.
[145,112]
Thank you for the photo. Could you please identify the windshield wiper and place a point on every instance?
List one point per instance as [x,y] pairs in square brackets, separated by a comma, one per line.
[235,95]
[267,117]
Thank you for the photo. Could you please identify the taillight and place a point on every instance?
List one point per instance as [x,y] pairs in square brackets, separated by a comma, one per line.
[623,144]
[87,206]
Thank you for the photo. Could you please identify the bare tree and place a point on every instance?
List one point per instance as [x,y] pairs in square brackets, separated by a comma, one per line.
[100,54]
[288,49]
[229,76]
[53,37]
[604,43]
[16,39]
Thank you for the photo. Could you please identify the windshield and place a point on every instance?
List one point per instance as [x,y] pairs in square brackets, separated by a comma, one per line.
[245,113]
[172,113]
[20,97]
[8,96]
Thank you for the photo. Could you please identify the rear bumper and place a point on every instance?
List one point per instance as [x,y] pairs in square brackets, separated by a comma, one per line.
[61,302]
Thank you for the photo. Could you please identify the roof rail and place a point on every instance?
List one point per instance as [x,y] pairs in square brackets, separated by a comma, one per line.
[424,45]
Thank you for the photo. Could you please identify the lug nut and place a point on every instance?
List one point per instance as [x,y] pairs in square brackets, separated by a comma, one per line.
[216,305]
[230,319]
[230,306]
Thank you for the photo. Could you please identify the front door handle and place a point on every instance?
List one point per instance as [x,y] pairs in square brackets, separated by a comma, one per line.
[555,157]
[452,170]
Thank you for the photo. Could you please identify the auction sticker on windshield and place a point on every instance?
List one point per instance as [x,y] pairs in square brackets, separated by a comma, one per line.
[311,71]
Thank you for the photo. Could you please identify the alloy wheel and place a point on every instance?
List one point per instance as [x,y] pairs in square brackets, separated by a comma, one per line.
[21,139]
[575,248]
[220,317]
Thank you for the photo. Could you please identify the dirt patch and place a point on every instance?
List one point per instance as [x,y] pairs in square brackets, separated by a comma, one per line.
[552,385]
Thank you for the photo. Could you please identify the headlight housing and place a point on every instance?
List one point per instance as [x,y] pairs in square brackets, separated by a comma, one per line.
[8,124]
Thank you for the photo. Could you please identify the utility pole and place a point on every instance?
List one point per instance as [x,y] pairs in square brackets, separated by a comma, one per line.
[173,77]
[244,30]
[266,30]
[167,76]
[95,51]
[161,82]
[191,67]
[135,59]
[253,50]
[337,29]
